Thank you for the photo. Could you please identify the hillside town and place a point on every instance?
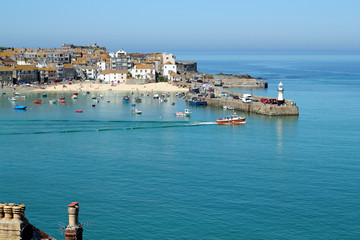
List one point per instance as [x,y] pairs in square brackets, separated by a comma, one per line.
[70,62]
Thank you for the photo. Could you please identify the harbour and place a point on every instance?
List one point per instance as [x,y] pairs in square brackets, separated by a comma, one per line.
[156,174]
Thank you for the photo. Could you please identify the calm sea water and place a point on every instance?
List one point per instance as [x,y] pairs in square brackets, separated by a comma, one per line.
[155,176]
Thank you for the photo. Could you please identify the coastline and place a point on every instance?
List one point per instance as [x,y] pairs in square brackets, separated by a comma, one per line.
[98,87]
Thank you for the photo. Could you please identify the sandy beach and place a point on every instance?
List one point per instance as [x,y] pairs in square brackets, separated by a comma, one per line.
[91,87]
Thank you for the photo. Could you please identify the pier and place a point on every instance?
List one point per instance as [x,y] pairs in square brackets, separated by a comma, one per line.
[287,108]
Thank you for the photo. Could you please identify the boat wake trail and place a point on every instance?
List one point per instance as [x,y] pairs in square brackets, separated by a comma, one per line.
[68,127]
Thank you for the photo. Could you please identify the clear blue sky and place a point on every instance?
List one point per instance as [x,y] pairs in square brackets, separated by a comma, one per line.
[183,25]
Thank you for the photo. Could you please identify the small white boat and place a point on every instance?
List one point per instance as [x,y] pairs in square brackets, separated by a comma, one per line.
[156,96]
[52,101]
[16,94]
[225,107]
[74,97]
[230,108]
[12,99]
[136,111]
[187,113]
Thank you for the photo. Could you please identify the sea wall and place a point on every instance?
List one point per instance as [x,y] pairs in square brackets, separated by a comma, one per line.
[286,109]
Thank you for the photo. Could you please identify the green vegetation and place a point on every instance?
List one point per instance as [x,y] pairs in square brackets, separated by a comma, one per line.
[3,48]
[162,79]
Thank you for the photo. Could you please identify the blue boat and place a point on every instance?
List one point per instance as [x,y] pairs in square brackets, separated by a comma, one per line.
[19,107]
[197,102]
[44,95]
[126,99]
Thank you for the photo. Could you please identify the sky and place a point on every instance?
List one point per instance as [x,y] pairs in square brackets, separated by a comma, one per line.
[183,25]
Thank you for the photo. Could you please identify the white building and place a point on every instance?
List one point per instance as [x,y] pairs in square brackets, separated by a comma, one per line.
[168,57]
[143,71]
[168,66]
[91,72]
[174,76]
[113,76]
[102,65]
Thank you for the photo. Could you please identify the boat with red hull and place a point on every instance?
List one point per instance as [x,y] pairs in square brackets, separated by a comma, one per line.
[233,119]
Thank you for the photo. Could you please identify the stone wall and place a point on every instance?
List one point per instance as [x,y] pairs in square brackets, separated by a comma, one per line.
[183,66]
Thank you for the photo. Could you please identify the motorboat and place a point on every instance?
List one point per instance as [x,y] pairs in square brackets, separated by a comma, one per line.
[20,107]
[44,95]
[52,101]
[136,111]
[138,100]
[93,97]
[74,96]
[16,94]
[62,101]
[62,98]
[156,96]
[197,102]
[12,99]
[233,119]
[75,93]
[186,113]
[79,111]
[37,102]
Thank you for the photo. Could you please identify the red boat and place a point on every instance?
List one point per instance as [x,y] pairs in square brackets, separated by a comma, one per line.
[62,101]
[37,102]
[62,98]
[233,119]
[76,93]
[79,111]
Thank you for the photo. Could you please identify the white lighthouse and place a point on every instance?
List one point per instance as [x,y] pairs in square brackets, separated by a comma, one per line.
[280,93]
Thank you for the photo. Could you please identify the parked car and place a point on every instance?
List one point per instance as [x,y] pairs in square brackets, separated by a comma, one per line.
[246,98]
[264,100]
[236,97]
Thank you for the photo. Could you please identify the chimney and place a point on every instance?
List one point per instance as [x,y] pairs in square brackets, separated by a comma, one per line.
[13,224]
[74,230]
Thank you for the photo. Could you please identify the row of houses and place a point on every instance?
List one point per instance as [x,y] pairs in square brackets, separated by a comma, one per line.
[89,62]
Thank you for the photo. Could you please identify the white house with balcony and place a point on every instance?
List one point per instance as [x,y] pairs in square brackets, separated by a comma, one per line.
[143,71]
[113,76]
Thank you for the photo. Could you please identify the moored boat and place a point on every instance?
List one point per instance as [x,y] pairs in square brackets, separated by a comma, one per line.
[12,99]
[37,102]
[136,111]
[44,95]
[138,100]
[197,102]
[62,98]
[52,101]
[74,96]
[19,107]
[79,111]
[126,99]
[233,119]
[62,101]
[156,96]
[186,113]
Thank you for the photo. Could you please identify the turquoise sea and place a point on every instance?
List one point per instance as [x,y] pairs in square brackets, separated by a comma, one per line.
[155,176]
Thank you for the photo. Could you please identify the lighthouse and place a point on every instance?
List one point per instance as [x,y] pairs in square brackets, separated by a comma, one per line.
[280,93]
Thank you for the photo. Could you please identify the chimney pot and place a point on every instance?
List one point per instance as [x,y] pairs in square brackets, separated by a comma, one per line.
[1,211]
[16,213]
[8,212]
